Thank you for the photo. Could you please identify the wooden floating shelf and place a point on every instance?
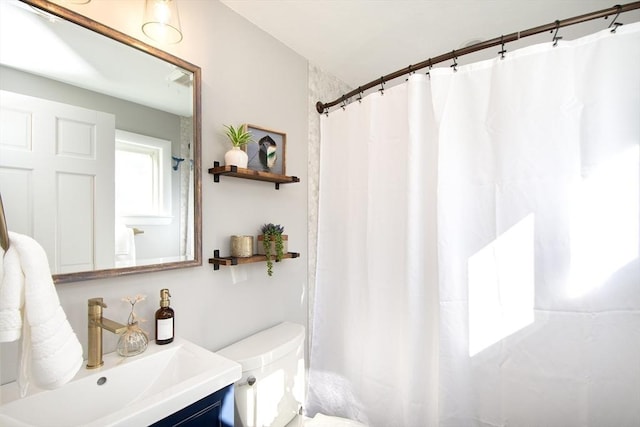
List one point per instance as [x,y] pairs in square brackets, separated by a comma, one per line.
[237,172]
[217,260]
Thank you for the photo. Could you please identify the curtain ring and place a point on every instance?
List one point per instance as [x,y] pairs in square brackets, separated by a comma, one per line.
[503,50]
[359,95]
[409,72]
[614,25]
[455,63]
[556,37]
[344,103]
[381,90]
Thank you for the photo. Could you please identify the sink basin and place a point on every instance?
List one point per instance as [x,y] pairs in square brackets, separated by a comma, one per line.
[137,390]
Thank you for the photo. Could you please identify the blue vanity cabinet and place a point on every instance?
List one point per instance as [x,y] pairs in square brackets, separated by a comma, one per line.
[213,410]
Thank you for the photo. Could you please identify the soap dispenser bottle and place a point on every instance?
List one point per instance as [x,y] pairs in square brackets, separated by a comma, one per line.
[164,319]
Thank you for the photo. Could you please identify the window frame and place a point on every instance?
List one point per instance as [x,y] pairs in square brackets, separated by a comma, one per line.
[160,150]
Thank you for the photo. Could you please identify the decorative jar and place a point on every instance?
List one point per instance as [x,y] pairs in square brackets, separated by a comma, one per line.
[242,246]
[133,341]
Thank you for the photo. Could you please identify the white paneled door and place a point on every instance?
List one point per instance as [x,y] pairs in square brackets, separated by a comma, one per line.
[56,179]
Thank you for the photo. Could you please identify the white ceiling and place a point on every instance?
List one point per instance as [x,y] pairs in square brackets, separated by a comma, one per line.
[361,40]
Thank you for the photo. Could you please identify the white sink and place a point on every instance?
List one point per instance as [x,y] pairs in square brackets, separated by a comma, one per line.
[138,390]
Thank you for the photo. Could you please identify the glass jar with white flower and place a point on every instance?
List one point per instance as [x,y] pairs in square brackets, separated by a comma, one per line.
[134,340]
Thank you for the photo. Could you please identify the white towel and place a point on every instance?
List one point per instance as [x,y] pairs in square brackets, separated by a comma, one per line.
[125,248]
[11,296]
[51,352]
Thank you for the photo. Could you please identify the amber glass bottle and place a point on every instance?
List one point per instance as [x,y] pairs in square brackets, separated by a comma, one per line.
[164,319]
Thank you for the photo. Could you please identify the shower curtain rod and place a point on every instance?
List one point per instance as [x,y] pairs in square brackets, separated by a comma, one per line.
[498,41]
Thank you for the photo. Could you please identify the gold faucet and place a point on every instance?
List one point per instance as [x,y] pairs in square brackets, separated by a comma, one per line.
[96,324]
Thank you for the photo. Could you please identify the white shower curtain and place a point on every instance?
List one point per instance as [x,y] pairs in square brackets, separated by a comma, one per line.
[375,284]
[478,244]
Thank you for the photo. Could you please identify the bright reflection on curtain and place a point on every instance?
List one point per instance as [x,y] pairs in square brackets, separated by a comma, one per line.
[604,226]
[501,286]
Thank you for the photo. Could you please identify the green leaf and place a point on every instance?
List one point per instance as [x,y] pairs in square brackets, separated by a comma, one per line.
[238,136]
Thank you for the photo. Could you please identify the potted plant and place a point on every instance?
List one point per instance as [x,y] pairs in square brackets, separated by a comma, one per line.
[239,137]
[272,243]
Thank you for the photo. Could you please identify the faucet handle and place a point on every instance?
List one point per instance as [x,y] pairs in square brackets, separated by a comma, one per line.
[97,302]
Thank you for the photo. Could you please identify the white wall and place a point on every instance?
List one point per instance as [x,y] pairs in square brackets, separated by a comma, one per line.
[247,76]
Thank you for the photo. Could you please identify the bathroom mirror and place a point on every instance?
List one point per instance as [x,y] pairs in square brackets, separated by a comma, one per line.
[99,145]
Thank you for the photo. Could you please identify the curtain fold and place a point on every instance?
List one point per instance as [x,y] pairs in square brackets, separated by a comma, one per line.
[478,244]
[373,229]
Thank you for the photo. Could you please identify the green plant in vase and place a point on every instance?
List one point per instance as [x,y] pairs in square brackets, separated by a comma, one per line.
[239,137]
[272,233]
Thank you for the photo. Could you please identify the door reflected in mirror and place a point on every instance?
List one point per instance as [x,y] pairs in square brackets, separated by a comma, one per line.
[90,122]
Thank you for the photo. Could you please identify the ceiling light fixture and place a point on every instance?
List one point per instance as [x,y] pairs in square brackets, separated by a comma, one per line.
[161,21]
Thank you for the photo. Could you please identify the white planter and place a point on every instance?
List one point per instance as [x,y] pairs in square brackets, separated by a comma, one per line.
[236,157]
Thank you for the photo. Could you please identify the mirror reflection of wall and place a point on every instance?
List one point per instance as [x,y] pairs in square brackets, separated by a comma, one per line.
[162,240]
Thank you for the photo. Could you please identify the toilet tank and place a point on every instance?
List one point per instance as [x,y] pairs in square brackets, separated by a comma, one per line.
[271,390]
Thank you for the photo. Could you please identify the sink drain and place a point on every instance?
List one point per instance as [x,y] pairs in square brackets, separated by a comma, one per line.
[102,380]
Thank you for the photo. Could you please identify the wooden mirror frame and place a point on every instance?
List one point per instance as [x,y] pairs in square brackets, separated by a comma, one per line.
[99,28]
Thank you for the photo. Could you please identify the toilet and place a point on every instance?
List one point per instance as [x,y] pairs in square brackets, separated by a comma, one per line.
[272,387]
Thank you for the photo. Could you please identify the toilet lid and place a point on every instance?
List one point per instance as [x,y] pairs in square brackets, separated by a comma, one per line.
[264,347]
[321,420]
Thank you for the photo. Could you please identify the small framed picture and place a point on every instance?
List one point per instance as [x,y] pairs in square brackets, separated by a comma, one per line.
[266,152]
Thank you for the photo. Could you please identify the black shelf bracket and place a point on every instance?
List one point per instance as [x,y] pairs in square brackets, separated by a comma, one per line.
[216,178]
[294,179]
[293,255]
